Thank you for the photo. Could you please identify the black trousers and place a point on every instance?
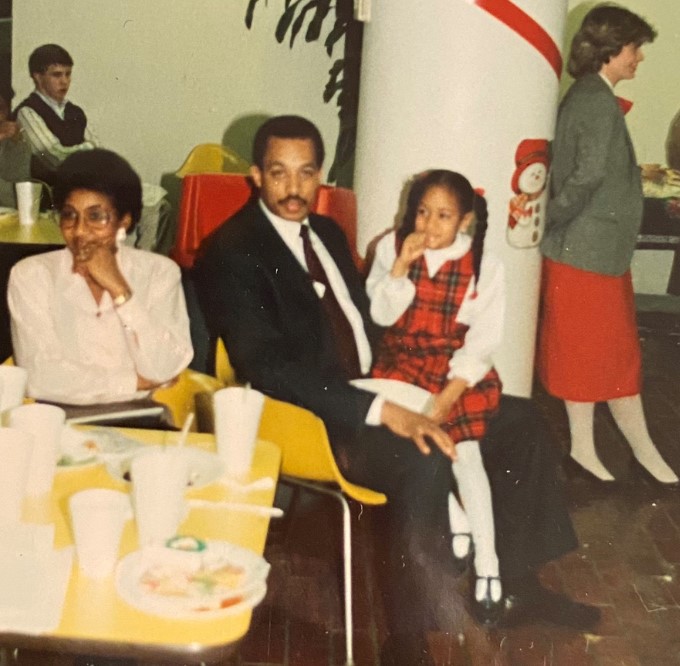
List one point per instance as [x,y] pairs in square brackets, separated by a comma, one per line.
[531,518]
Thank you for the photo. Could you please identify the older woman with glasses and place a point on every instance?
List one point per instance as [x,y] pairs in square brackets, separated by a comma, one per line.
[98,322]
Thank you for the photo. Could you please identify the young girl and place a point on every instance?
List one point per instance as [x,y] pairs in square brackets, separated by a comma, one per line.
[443,306]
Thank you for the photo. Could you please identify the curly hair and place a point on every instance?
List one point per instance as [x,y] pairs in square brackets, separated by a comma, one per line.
[605,30]
[104,172]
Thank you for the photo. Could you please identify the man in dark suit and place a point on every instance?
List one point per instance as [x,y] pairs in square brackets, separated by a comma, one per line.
[276,309]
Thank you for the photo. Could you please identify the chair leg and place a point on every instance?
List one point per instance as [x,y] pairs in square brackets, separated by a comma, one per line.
[346,560]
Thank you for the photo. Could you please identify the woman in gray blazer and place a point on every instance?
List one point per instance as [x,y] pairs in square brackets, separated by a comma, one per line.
[589,349]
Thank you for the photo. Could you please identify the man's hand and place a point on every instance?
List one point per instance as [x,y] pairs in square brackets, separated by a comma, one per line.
[417,427]
[10,130]
[411,249]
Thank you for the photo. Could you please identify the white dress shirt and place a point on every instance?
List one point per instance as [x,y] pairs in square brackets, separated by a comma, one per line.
[484,314]
[78,352]
[290,234]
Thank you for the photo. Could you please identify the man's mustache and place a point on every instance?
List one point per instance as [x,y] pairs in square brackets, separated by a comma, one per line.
[293,198]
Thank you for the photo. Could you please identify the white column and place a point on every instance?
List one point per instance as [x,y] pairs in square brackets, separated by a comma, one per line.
[446,84]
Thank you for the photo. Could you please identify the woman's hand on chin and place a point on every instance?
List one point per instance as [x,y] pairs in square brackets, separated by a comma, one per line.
[101,266]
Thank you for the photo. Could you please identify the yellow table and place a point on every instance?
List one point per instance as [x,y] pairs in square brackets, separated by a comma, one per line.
[95,620]
[45,231]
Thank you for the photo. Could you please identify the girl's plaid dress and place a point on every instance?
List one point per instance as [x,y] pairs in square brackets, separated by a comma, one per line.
[418,347]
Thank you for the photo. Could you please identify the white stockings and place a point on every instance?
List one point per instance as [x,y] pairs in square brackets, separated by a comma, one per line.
[630,419]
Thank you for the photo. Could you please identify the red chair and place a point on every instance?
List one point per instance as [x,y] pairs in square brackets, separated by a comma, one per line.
[209,199]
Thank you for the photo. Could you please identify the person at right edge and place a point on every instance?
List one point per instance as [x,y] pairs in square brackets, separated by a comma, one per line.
[589,350]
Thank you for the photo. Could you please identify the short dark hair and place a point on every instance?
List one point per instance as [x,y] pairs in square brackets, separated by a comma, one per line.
[101,171]
[605,30]
[286,127]
[46,55]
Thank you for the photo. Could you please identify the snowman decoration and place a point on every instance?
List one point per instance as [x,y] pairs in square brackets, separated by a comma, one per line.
[526,218]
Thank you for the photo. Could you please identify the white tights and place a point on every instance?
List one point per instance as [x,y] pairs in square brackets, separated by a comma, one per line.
[475,494]
[630,419]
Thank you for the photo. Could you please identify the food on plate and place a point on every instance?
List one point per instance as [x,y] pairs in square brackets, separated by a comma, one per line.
[201,580]
[88,449]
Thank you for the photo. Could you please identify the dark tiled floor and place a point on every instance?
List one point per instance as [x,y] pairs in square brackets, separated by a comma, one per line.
[626,565]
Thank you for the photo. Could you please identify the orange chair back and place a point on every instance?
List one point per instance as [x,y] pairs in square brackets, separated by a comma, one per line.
[209,199]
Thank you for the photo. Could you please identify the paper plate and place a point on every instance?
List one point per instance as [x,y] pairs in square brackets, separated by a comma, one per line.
[406,395]
[224,579]
[204,467]
[81,448]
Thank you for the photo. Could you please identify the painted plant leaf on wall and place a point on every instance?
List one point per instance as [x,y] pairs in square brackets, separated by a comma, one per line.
[343,76]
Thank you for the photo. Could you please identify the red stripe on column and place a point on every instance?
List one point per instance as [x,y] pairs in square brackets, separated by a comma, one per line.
[526,27]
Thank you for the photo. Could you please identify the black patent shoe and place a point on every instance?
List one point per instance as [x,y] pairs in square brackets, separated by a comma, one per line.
[487,611]
[462,563]
[638,470]
[574,471]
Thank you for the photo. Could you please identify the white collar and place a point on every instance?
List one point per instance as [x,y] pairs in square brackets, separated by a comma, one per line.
[58,107]
[289,230]
[456,250]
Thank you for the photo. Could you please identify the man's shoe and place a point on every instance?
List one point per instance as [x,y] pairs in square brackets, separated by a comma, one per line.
[545,606]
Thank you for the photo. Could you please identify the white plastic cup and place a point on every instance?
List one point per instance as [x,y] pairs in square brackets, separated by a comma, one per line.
[16,448]
[159,479]
[12,386]
[237,420]
[28,201]
[45,423]
[98,516]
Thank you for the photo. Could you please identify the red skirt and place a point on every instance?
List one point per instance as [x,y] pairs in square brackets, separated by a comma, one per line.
[588,346]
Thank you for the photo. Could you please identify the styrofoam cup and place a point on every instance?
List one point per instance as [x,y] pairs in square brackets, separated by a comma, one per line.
[28,201]
[159,479]
[98,516]
[45,423]
[16,448]
[237,420]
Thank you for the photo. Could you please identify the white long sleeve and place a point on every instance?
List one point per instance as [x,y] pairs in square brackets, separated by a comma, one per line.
[80,353]
[484,314]
[44,143]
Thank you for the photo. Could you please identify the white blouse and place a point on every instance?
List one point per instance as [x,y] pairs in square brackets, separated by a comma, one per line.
[484,314]
[78,352]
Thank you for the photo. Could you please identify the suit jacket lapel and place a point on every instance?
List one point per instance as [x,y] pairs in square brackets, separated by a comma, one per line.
[280,261]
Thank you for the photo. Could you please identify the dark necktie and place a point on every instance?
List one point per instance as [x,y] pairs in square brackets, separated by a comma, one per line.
[340,328]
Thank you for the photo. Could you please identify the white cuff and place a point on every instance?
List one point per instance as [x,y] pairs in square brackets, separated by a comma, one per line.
[373,417]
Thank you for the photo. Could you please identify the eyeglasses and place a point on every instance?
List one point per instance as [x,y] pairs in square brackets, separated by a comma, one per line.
[95,219]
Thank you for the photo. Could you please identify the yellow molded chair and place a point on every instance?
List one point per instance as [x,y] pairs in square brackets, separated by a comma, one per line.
[192,392]
[212,158]
[307,460]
